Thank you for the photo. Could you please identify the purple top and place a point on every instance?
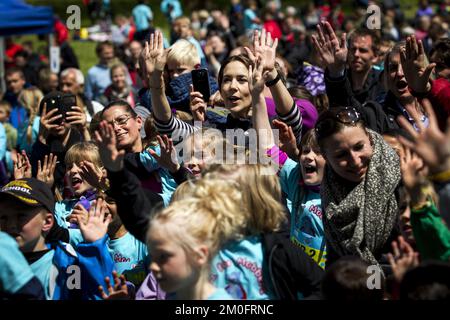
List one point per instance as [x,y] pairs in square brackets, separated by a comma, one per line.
[150,290]
[309,112]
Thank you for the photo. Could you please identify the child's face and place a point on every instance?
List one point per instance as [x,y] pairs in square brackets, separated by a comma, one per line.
[198,158]
[78,185]
[170,264]
[24,223]
[312,165]
[3,115]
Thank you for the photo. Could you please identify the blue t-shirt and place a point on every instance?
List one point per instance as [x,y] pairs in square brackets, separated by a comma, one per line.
[220,294]
[306,213]
[238,268]
[55,270]
[63,209]
[45,271]
[141,16]
[167,181]
[249,15]
[14,269]
[130,257]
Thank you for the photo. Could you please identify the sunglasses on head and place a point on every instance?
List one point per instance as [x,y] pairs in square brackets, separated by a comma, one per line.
[326,125]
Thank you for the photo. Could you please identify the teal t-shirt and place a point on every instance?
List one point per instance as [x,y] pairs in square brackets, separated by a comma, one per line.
[43,270]
[130,257]
[141,16]
[220,294]
[14,269]
[306,213]
[62,210]
[167,181]
[238,268]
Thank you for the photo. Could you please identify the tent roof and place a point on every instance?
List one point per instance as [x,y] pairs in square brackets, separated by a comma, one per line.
[17,17]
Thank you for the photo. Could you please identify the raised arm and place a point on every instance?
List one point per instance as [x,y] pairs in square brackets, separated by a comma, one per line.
[153,60]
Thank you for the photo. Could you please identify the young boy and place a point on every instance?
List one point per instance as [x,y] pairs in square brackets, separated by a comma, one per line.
[27,214]
[17,281]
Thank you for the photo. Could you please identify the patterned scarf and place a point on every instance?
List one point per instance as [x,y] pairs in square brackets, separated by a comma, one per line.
[359,219]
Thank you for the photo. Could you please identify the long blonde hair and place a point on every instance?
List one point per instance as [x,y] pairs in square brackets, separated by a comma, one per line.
[30,99]
[208,214]
[261,194]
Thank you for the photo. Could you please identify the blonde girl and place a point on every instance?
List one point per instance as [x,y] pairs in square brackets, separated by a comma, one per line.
[184,237]
[30,98]
[264,264]
[85,178]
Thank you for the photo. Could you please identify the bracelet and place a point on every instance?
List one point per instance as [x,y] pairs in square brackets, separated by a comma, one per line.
[273,82]
[443,176]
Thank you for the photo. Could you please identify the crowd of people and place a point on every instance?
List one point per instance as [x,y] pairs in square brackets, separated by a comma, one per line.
[316,167]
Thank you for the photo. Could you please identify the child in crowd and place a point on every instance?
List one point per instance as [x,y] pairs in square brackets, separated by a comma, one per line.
[184,237]
[27,214]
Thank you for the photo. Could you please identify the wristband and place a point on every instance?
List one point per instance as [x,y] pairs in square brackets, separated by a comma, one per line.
[443,176]
[273,82]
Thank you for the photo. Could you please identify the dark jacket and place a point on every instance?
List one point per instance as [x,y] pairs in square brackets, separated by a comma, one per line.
[54,145]
[371,90]
[134,204]
[291,270]
[374,116]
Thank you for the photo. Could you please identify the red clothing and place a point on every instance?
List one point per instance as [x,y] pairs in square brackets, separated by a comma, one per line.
[274,28]
[62,33]
[10,52]
[439,96]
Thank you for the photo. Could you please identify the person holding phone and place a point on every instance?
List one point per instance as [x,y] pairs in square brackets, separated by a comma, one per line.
[57,133]
[233,87]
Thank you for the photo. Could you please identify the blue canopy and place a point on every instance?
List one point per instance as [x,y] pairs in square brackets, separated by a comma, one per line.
[17,17]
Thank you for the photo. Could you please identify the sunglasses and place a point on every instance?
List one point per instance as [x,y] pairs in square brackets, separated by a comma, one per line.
[327,125]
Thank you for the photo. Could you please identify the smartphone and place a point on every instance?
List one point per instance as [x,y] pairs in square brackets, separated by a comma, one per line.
[200,80]
[63,102]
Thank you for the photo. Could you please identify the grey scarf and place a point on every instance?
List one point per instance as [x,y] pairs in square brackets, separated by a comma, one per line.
[358,220]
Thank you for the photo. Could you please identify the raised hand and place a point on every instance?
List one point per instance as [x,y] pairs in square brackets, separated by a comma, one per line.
[22,166]
[96,226]
[77,118]
[168,157]
[45,172]
[155,57]
[288,143]
[94,175]
[197,104]
[118,292]
[403,258]
[256,79]
[331,51]
[415,66]
[412,170]
[79,213]
[105,138]
[47,123]
[431,144]
[264,50]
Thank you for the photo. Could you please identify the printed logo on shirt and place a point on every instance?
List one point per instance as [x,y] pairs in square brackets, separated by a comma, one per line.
[318,256]
[118,258]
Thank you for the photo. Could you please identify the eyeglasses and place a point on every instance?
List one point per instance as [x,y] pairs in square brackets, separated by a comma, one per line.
[327,124]
[121,121]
